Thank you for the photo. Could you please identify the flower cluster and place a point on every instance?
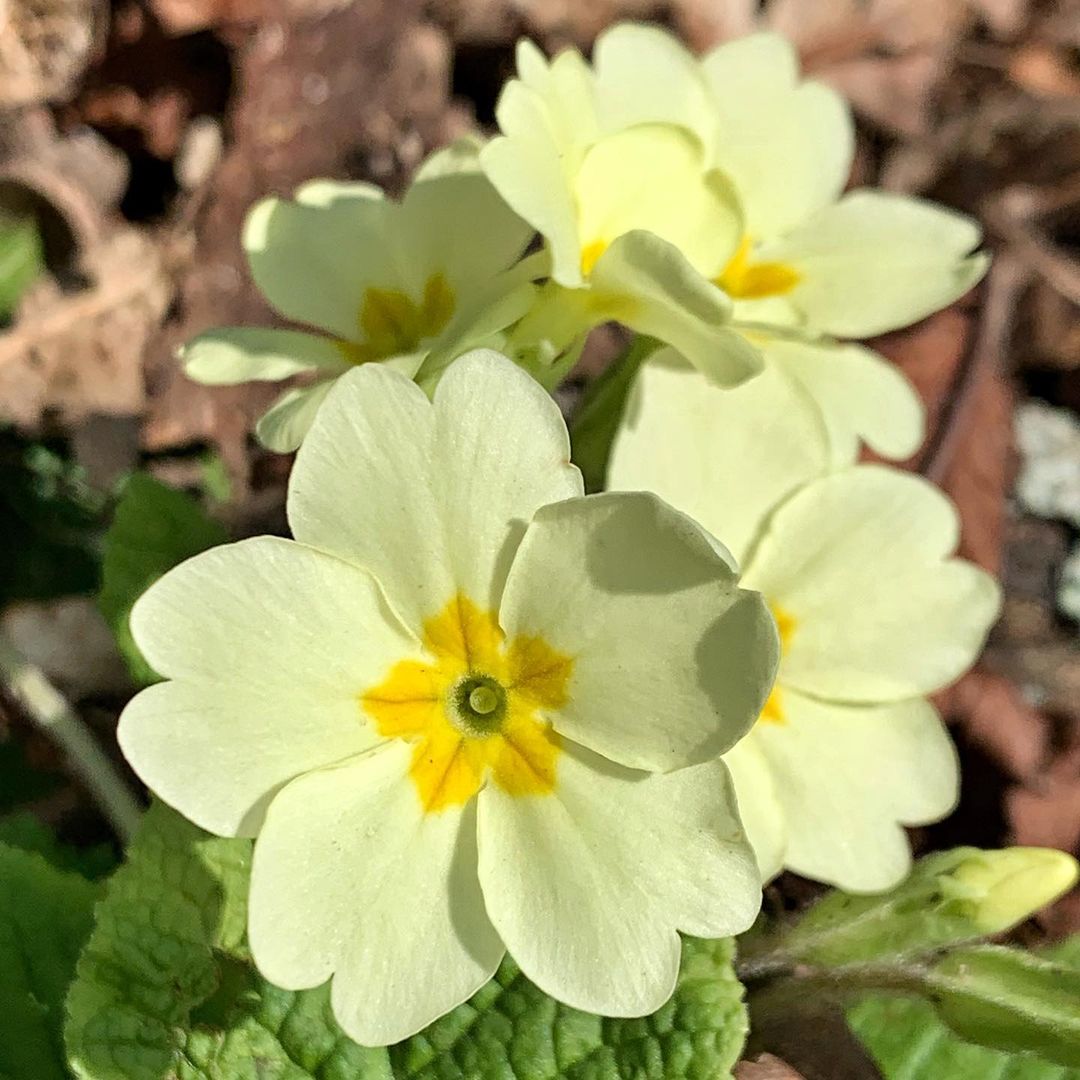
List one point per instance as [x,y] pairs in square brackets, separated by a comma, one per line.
[469,709]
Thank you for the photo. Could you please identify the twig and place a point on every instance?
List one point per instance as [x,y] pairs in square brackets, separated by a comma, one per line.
[46,707]
[984,355]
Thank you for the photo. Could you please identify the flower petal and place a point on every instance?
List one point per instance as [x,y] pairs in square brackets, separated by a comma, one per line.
[646,75]
[433,499]
[273,642]
[760,808]
[437,228]
[848,777]
[284,426]
[653,178]
[671,660]
[234,354]
[788,145]
[588,885]
[338,243]
[352,879]
[649,286]
[875,261]
[860,394]
[725,457]
[860,563]
[525,166]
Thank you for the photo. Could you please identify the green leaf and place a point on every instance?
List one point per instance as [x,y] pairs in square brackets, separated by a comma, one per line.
[165,989]
[154,528]
[21,261]
[27,833]
[600,412]
[45,916]
[908,1042]
[52,520]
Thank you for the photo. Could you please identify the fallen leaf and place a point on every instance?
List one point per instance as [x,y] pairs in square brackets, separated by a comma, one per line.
[766,1067]
[997,717]
[75,354]
[44,47]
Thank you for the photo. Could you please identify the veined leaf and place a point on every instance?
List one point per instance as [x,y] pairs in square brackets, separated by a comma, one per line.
[165,989]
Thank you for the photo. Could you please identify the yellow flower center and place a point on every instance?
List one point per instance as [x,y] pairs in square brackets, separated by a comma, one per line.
[772,711]
[745,279]
[474,708]
[392,323]
[590,255]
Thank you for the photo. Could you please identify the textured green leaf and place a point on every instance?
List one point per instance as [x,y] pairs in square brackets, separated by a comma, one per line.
[910,1041]
[165,989]
[45,916]
[154,528]
[21,261]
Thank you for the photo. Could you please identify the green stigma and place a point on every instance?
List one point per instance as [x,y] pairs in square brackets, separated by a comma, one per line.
[477,705]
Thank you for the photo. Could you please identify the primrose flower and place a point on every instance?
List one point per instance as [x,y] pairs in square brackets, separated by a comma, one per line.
[811,265]
[466,710]
[424,279]
[873,612]
[635,222]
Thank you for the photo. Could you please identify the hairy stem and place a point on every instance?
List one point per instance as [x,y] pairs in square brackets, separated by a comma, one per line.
[50,711]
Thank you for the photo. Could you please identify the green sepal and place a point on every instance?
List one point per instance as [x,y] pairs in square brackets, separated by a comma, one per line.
[1009,1000]
[950,898]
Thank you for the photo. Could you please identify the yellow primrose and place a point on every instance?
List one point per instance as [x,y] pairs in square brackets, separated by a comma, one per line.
[873,611]
[423,279]
[446,714]
[637,226]
[812,265]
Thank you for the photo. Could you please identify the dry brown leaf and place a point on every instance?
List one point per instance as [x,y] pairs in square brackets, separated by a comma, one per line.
[766,1067]
[45,46]
[1005,18]
[361,92]
[893,92]
[930,354]
[997,718]
[73,355]
[1044,71]
[1046,812]
[979,472]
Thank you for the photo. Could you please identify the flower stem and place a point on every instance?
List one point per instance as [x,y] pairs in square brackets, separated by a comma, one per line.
[50,711]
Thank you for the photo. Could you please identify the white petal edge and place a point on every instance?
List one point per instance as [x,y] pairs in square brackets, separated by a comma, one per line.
[862,396]
[875,261]
[861,561]
[431,497]
[271,643]
[352,879]
[589,885]
[760,808]
[850,777]
[725,457]
[234,354]
[284,426]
